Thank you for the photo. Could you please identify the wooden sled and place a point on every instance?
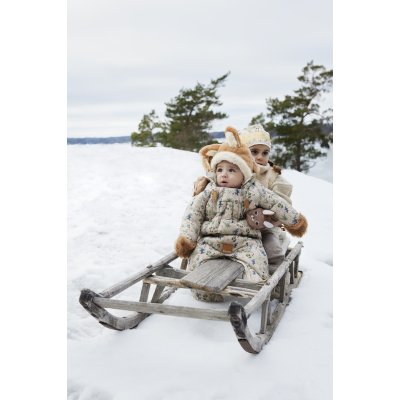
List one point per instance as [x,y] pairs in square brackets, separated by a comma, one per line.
[216,277]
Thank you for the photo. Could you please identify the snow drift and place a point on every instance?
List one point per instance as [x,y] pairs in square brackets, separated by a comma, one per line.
[124,210]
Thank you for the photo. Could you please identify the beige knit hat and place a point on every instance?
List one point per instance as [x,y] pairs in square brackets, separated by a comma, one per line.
[255,134]
[233,150]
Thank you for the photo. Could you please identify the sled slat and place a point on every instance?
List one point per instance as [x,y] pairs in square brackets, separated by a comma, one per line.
[229,290]
[132,321]
[155,308]
[121,286]
[178,274]
[172,272]
[265,315]
[213,275]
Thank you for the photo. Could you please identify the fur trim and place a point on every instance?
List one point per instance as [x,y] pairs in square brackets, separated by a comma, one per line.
[207,153]
[200,185]
[211,153]
[184,247]
[298,229]
[234,159]
[277,169]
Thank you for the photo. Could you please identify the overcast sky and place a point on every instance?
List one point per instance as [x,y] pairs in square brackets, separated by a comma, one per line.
[127,57]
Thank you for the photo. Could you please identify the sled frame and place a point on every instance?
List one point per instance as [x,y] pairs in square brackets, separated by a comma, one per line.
[168,279]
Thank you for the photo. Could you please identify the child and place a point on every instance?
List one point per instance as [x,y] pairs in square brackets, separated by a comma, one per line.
[274,239]
[214,224]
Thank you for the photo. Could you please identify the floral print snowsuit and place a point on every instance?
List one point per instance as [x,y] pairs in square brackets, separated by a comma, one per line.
[215,219]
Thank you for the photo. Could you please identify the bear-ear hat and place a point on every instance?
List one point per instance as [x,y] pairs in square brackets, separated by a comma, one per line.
[233,151]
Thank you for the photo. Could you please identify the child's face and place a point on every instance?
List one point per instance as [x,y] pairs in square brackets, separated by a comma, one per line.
[260,153]
[229,175]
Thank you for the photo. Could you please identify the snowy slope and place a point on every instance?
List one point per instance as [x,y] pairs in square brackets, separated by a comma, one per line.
[324,167]
[124,209]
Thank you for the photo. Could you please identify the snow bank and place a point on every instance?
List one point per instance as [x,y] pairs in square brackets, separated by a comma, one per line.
[124,209]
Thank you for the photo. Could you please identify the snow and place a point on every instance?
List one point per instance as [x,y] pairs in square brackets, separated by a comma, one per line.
[324,167]
[124,210]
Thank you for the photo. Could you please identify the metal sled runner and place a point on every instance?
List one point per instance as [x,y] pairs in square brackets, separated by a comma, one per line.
[217,276]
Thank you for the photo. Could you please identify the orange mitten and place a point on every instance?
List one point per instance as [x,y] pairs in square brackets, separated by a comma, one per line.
[184,247]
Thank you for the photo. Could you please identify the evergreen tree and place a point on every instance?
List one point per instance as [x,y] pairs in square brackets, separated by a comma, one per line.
[297,123]
[189,116]
[146,134]
[258,119]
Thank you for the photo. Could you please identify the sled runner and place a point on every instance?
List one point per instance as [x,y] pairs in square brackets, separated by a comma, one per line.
[218,277]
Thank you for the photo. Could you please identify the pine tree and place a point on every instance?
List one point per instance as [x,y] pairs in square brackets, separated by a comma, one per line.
[297,125]
[146,134]
[189,116]
[258,119]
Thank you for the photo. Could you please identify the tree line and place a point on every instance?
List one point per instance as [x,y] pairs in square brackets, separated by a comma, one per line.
[296,122]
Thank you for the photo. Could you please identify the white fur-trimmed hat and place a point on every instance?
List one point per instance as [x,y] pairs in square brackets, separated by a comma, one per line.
[255,134]
[232,151]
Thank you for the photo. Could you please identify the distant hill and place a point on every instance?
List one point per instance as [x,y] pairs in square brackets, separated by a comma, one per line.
[118,139]
[217,135]
[126,139]
[99,140]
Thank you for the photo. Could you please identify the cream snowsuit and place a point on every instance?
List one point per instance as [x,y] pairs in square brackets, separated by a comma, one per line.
[215,219]
[275,240]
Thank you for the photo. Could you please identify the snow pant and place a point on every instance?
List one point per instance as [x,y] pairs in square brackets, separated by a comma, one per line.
[275,243]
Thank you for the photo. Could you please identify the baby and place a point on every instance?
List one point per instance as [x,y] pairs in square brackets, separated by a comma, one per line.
[214,224]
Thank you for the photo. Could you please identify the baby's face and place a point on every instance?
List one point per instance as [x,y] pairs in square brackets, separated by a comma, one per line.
[229,175]
[260,153]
